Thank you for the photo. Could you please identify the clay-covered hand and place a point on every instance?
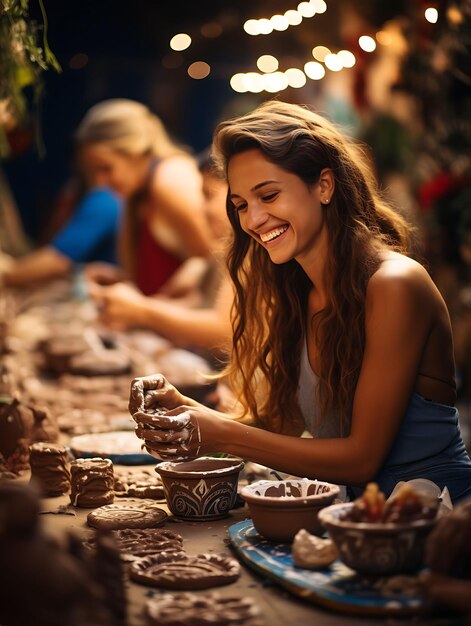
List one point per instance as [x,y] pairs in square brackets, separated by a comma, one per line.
[153,394]
[169,437]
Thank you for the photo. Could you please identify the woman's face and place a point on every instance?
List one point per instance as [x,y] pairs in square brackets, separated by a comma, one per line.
[275,207]
[106,167]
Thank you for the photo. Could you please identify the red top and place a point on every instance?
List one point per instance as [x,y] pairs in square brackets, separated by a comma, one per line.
[154,264]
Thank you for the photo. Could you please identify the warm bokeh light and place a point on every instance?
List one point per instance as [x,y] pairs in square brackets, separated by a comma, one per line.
[211,30]
[267,63]
[254,82]
[251,27]
[454,15]
[319,5]
[320,52]
[367,43]
[314,70]
[279,22]
[265,27]
[307,9]
[333,63]
[182,41]
[384,38]
[274,82]
[199,70]
[296,78]
[238,83]
[294,18]
[431,15]
[346,58]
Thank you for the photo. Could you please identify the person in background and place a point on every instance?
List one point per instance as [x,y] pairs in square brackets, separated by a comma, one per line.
[335,329]
[193,308]
[127,148]
[89,235]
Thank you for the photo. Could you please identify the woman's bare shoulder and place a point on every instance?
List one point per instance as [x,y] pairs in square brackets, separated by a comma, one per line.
[400,277]
[178,171]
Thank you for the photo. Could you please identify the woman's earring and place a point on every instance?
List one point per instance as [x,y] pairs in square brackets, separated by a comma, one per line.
[326,201]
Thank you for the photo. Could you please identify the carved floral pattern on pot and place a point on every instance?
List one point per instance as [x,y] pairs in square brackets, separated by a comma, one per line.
[203,489]
[203,500]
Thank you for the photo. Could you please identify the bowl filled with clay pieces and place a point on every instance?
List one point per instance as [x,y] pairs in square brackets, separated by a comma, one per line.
[293,503]
[382,538]
[202,489]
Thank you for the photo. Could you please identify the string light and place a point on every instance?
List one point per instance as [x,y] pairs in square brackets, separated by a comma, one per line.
[179,42]
[280,22]
[320,52]
[296,77]
[367,43]
[314,70]
[346,58]
[267,63]
[291,17]
[199,70]
[431,15]
[333,63]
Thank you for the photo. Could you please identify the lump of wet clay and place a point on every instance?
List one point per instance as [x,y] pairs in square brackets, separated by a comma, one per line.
[312,552]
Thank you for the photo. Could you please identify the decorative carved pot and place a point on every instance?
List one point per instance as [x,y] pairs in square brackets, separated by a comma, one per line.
[200,490]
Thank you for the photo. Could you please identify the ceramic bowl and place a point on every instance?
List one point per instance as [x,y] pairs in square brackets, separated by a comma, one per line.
[279,509]
[200,490]
[376,549]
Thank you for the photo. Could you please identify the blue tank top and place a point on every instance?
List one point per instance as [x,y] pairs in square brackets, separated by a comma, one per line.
[428,444]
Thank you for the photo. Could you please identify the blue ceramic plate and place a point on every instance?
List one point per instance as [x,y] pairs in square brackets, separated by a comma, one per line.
[336,587]
[121,446]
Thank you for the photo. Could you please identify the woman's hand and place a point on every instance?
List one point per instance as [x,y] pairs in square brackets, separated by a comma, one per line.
[151,393]
[120,306]
[101,273]
[181,434]
[172,426]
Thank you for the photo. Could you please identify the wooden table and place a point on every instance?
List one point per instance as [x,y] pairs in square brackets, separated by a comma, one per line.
[278,606]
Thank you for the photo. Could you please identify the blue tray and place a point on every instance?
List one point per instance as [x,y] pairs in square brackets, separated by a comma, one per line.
[336,587]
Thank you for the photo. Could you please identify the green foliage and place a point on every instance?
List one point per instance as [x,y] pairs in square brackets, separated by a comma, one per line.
[24,56]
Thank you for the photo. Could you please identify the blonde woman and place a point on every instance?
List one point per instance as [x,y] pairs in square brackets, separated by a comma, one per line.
[127,148]
[335,329]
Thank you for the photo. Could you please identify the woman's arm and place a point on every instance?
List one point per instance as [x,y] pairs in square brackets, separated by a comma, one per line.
[399,315]
[122,305]
[177,191]
[42,264]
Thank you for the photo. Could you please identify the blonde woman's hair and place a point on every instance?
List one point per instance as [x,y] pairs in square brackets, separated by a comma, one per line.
[269,315]
[126,126]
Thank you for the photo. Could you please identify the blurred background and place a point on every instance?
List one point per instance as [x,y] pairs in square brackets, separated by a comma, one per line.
[395,74]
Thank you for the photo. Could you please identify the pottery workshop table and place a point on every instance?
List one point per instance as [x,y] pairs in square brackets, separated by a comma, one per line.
[278,606]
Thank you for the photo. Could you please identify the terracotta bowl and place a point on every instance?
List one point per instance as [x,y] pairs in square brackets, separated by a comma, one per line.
[376,549]
[200,490]
[279,509]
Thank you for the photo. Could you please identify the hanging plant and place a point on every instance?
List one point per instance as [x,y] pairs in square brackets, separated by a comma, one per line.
[24,56]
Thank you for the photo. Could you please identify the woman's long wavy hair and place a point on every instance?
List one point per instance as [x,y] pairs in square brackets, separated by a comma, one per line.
[271,301]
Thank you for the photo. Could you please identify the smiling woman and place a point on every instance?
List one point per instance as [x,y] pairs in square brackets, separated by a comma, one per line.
[335,329]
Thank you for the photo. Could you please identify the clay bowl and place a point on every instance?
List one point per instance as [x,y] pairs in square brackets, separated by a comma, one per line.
[279,509]
[200,490]
[376,549]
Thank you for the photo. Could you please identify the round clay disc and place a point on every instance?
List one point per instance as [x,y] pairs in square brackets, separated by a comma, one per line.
[179,570]
[134,543]
[130,513]
[211,609]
